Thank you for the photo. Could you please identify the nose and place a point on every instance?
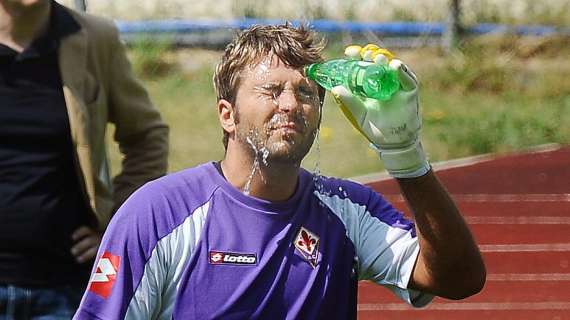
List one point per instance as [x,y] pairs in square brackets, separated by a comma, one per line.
[288,101]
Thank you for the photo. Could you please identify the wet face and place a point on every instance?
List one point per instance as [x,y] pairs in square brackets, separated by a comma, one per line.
[278,112]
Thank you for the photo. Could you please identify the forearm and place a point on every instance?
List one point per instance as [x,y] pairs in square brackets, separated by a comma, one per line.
[450,264]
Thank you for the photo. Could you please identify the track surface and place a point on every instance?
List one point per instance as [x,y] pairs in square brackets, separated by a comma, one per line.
[518,208]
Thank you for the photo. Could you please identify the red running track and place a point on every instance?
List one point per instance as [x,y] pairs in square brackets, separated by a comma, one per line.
[518,208]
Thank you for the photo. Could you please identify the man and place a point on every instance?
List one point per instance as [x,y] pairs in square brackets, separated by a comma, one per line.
[255,236]
[63,76]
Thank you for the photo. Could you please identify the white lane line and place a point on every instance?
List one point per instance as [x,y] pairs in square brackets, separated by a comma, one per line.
[471,306]
[528,277]
[517,220]
[537,197]
[542,247]
[547,197]
[463,162]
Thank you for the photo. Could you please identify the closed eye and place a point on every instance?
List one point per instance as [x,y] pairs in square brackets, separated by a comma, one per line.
[270,89]
[306,91]
[307,94]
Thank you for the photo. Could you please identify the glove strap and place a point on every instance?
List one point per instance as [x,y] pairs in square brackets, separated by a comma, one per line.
[407,162]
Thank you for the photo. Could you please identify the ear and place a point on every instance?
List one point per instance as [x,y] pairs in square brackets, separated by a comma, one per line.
[227,114]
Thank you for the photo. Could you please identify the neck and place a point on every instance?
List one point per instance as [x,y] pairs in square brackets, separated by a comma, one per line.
[20,24]
[271,181]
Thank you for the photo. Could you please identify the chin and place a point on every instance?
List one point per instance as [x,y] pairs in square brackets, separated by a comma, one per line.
[286,152]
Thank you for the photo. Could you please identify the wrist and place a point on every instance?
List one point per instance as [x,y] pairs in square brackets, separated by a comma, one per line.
[405,162]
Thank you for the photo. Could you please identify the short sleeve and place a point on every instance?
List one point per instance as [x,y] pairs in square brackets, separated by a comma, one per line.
[385,241]
[387,249]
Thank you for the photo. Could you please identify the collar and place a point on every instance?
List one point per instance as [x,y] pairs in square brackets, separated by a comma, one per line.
[5,51]
[61,24]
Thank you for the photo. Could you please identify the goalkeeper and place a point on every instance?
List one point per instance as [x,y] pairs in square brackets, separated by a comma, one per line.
[255,236]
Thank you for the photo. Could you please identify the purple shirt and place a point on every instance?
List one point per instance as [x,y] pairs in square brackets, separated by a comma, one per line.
[191,246]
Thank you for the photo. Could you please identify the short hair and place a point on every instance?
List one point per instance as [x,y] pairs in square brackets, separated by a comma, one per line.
[295,46]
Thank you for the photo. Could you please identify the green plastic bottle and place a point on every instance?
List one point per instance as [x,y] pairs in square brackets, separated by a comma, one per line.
[363,78]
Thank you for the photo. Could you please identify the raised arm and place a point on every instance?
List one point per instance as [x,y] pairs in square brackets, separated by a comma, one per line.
[449,263]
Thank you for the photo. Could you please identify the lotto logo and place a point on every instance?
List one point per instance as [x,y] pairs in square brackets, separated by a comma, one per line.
[221,257]
[103,279]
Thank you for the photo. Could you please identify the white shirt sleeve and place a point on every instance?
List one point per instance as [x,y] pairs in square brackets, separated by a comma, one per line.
[386,251]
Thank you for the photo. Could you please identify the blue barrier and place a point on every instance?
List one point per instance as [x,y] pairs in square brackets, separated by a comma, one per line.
[384,28]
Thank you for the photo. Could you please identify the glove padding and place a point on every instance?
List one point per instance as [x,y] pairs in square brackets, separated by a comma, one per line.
[392,126]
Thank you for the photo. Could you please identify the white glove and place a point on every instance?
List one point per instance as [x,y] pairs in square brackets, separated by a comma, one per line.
[392,126]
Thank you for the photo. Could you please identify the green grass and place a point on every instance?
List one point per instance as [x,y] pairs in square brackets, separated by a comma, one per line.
[490,98]
[479,123]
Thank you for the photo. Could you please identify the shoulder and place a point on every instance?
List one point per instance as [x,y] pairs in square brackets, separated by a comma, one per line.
[331,187]
[101,38]
[354,203]
[195,184]
[169,200]
[159,210]
[92,23]
[101,33]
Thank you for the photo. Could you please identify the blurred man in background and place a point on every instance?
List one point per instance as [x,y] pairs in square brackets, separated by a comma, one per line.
[255,236]
[63,76]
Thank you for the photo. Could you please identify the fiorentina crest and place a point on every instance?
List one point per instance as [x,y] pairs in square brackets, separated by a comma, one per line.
[103,279]
[307,243]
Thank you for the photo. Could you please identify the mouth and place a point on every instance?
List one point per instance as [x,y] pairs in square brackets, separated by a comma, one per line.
[288,125]
[283,121]
[288,128]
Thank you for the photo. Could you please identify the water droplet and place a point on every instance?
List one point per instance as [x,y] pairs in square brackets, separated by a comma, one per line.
[264,156]
[255,166]
[317,178]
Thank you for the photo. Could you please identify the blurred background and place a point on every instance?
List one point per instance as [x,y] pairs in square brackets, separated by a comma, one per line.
[495,75]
